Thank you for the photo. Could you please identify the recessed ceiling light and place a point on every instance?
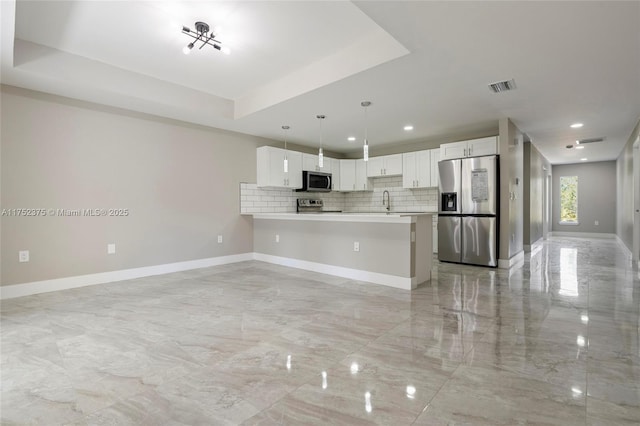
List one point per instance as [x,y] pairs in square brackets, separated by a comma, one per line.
[583,159]
[576,125]
[580,147]
[408,128]
[351,138]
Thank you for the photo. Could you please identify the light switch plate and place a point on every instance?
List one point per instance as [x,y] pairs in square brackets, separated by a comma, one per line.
[23,256]
[356,246]
[111,248]
[219,239]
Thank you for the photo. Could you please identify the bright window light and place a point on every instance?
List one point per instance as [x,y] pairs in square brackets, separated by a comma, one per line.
[569,200]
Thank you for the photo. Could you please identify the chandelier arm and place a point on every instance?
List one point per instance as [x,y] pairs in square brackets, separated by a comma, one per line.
[207,41]
[192,34]
[201,35]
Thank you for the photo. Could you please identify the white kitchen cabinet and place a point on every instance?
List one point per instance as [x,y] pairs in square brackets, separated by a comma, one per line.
[353,175]
[449,151]
[270,168]
[362,180]
[386,165]
[347,175]
[470,148]
[416,169]
[335,174]
[310,163]
[435,174]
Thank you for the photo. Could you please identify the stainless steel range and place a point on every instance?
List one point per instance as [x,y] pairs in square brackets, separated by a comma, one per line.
[308,205]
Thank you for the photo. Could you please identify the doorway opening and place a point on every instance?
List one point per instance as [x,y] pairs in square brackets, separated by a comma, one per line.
[546,204]
[636,201]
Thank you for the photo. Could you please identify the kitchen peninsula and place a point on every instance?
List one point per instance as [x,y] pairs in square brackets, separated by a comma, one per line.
[393,249]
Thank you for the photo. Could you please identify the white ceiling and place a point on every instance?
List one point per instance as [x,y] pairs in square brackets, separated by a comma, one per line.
[421,63]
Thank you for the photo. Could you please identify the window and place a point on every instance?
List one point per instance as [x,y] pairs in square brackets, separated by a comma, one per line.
[569,200]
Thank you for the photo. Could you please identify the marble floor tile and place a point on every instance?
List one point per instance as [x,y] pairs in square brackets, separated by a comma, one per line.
[491,396]
[553,341]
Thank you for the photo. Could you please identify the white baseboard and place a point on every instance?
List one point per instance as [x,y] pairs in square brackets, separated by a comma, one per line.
[27,289]
[354,274]
[532,247]
[582,234]
[624,247]
[516,259]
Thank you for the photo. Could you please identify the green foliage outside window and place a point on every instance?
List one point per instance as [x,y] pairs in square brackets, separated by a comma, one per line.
[569,199]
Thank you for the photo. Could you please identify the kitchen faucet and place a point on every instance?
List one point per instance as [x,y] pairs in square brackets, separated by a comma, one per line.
[388,203]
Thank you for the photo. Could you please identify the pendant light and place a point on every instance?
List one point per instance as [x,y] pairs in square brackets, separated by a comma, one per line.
[365,147]
[320,153]
[285,163]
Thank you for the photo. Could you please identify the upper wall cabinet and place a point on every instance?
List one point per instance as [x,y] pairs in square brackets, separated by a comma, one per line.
[270,168]
[310,163]
[335,174]
[471,148]
[353,176]
[420,169]
[416,169]
[435,174]
[386,165]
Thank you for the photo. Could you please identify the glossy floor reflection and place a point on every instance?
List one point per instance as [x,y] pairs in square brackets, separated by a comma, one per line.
[552,342]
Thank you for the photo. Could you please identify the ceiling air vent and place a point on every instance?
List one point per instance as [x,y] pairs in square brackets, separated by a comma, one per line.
[502,86]
[591,140]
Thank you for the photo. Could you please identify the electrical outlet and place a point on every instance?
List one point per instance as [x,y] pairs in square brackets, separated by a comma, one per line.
[23,256]
[356,246]
[597,222]
[219,239]
[111,248]
[277,238]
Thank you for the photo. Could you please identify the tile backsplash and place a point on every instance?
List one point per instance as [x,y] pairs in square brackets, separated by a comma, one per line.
[277,200]
[401,199]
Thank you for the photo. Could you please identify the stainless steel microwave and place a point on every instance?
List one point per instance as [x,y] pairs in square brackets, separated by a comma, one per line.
[315,182]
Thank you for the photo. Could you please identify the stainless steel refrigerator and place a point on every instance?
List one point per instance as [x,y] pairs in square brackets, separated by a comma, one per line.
[468,210]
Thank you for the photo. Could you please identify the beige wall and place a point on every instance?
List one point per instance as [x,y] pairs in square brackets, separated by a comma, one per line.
[511,150]
[596,196]
[180,183]
[625,190]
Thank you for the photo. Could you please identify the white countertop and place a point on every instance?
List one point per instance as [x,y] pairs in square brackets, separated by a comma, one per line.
[393,217]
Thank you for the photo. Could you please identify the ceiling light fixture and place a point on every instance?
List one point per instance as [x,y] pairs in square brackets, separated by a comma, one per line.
[365,147]
[408,128]
[576,125]
[580,147]
[285,163]
[320,153]
[351,138]
[202,34]
[583,159]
